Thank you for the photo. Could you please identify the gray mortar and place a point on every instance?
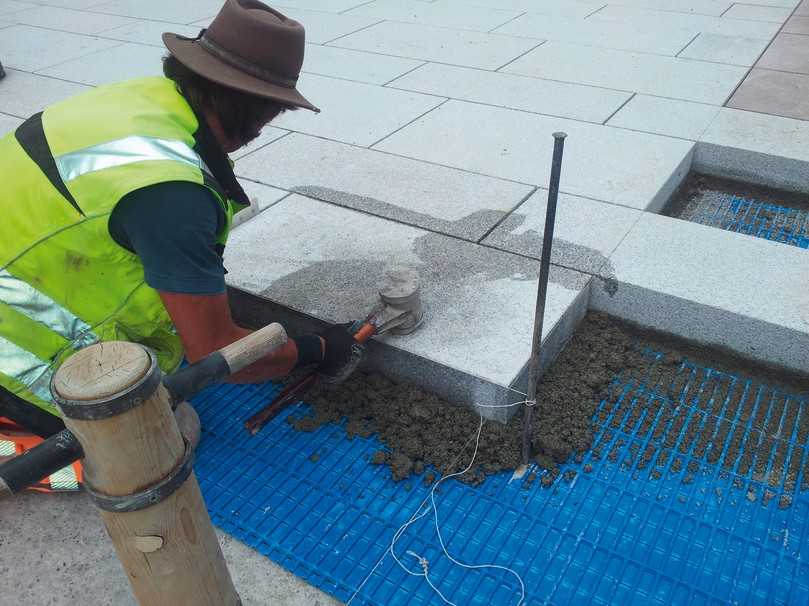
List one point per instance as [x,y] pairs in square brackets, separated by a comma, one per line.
[472,227]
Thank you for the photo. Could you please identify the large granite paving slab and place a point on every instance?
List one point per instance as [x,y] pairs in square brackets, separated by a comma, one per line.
[683,119]
[774,92]
[370,68]
[326,262]
[725,49]
[609,164]
[353,112]
[149,32]
[712,286]
[639,72]
[441,44]
[586,232]
[32,48]
[575,101]
[569,8]
[8,123]
[657,38]
[23,94]
[447,14]
[788,53]
[78,22]
[434,197]
[700,7]
[8,7]
[122,62]
[161,10]
[773,14]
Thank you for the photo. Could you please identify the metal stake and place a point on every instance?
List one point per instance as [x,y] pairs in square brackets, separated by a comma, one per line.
[544,270]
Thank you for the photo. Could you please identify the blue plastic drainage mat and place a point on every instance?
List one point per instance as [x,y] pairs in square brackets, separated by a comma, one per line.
[691,495]
[755,218]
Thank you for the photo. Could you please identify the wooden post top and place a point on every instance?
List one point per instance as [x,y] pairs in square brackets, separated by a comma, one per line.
[101,371]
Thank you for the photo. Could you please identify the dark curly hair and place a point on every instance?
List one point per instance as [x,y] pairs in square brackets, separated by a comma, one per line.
[241,114]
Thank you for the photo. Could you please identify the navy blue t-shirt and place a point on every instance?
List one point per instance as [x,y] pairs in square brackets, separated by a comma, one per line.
[172,227]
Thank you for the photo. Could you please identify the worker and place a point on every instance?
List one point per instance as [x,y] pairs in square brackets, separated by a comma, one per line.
[116,208]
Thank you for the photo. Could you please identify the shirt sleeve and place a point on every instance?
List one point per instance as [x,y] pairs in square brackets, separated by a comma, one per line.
[172,227]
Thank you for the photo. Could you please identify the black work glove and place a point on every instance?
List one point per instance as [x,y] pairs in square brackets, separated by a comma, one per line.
[343,354]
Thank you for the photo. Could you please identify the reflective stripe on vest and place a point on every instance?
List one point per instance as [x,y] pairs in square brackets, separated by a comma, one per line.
[39,307]
[26,368]
[125,151]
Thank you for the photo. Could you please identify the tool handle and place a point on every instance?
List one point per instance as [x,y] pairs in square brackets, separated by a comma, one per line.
[58,451]
[365,332]
[213,368]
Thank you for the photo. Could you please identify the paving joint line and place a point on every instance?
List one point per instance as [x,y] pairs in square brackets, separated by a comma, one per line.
[507,215]
[419,117]
[520,56]
[588,15]
[370,25]
[410,71]
[622,106]
[351,8]
[690,42]
[286,134]
[491,31]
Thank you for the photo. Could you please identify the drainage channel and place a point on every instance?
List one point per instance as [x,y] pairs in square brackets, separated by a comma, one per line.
[743,208]
[688,484]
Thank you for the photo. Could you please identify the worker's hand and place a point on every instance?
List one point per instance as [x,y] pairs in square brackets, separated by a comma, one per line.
[342,354]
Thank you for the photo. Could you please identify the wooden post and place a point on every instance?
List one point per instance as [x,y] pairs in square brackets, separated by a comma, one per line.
[113,401]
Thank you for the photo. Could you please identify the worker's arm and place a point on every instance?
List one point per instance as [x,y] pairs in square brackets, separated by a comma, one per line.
[204,324]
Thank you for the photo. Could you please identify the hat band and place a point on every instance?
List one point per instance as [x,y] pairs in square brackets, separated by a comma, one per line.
[236,61]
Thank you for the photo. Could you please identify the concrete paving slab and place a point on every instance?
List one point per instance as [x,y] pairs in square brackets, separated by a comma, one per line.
[355,113]
[586,232]
[479,301]
[33,48]
[683,119]
[642,73]
[713,286]
[445,13]
[8,123]
[570,8]
[642,17]
[659,38]
[444,45]
[78,22]
[185,11]
[773,14]
[562,99]
[125,61]
[355,65]
[696,7]
[425,195]
[329,6]
[23,94]
[609,164]
[788,53]
[797,25]
[149,32]
[725,49]
[62,556]
[8,7]
[762,149]
[773,92]
[268,135]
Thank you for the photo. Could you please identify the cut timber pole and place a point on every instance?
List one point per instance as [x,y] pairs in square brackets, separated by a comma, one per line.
[137,469]
[544,271]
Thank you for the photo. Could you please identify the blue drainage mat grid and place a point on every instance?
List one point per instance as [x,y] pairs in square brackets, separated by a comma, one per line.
[723,530]
[755,218]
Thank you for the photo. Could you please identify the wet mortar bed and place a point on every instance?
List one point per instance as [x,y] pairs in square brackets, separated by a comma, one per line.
[652,404]
[762,212]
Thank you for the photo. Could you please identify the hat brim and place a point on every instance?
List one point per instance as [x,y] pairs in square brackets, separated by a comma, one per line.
[191,54]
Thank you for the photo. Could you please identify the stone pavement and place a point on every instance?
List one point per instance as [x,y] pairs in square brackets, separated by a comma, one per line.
[433,149]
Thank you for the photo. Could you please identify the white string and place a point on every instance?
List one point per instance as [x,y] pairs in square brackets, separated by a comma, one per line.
[419,514]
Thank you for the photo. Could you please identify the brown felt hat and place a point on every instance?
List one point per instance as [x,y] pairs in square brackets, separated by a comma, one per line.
[250,47]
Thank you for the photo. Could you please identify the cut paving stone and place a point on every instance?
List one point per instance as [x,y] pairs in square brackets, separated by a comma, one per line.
[32,48]
[725,49]
[23,94]
[609,164]
[149,32]
[586,232]
[773,92]
[642,17]
[797,25]
[78,22]
[446,14]
[160,10]
[125,61]
[643,73]
[355,65]
[352,112]
[659,38]
[8,123]
[788,52]
[753,147]
[574,101]
[444,45]
[476,338]
[712,286]
[684,119]
[433,197]
[752,12]
[268,135]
